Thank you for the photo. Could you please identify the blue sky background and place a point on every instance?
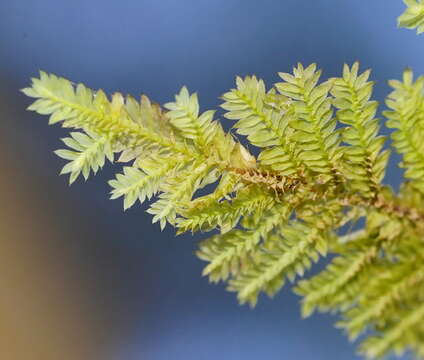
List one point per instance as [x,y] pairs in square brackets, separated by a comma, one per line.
[140,289]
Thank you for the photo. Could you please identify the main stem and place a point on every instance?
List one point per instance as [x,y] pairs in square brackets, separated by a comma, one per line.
[393,206]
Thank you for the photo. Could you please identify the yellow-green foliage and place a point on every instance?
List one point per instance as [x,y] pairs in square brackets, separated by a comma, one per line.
[406,105]
[319,170]
[413,16]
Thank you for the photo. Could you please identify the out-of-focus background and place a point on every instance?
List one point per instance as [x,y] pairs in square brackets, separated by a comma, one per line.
[81,279]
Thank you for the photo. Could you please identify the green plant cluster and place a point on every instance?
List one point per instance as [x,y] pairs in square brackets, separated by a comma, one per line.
[319,171]
[318,175]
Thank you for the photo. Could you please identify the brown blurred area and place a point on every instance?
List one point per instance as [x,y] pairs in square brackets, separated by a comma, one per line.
[45,311]
[41,317]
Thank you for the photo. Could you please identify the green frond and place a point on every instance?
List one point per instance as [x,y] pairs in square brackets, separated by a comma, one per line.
[207,214]
[145,134]
[386,291]
[230,252]
[139,184]
[184,116]
[227,252]
[82,108]
[329,289]
[264,126]
[286,258]
[177,190]
[87,153]
[406,115]
[406,333]
[365,163]
[315,128]
[413,16]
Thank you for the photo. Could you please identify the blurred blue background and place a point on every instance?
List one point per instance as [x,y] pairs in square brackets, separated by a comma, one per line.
[81,279]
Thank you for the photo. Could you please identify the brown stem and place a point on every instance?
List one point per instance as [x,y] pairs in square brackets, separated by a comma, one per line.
[389,207]
[290,184]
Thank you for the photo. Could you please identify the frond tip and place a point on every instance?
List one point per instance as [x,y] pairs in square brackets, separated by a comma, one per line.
[137,183]
[87,153]
[184,116]
[413,16]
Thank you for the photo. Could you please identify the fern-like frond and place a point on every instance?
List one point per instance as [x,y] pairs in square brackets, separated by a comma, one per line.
[286,258]
[315,128]
[264,125]
[193,146]
[87,153]
[406,105]
[405,333]
[176,191]
[207,215]
[329,289]
[139,184]
[387,290]
[82,108]
[365,163]
[184,116]
[199,208]
[413,16]
[229,253]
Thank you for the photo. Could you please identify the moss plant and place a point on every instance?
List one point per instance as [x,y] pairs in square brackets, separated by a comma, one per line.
[320,169]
